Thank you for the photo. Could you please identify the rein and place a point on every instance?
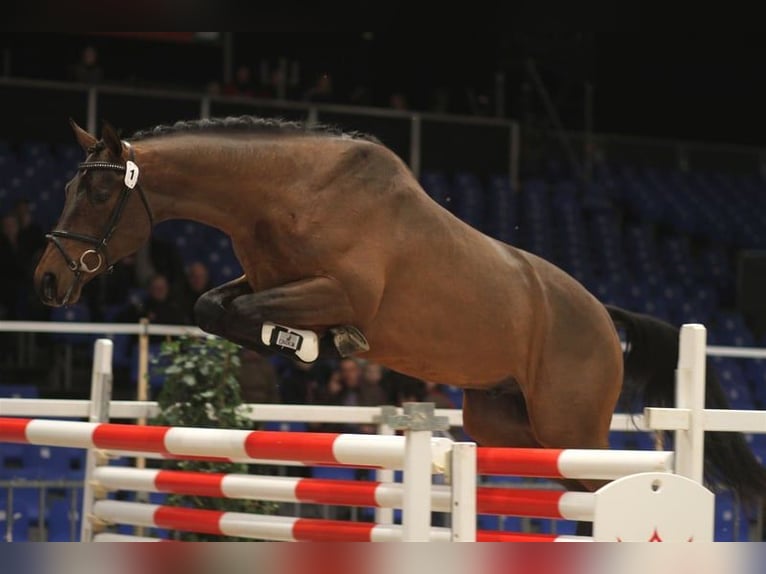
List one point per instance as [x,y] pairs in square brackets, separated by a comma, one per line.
[130,182]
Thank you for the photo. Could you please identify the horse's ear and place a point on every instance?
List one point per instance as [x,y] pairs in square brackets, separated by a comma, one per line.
[85,140]
[112,140]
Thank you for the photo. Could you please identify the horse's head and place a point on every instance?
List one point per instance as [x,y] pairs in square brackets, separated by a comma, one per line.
[106,216]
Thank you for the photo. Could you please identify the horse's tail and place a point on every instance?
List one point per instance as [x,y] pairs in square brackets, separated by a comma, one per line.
[651,358]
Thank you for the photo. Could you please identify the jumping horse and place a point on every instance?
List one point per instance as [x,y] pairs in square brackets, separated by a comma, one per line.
[339,242]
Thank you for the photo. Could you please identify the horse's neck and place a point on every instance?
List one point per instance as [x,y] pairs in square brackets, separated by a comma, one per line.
[211,181]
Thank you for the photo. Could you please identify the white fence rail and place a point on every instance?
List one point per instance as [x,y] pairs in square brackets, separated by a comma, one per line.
[182,330]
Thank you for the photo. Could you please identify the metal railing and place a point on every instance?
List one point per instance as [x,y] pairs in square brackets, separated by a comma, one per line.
[43,487]
[427,141]
[417,137]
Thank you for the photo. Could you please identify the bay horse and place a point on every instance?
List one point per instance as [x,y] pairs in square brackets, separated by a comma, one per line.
[337,238]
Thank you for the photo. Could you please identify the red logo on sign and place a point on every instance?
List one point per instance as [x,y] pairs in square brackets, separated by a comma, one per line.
[656,537]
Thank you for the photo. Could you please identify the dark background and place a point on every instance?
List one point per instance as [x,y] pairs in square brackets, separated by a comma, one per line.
[690,86]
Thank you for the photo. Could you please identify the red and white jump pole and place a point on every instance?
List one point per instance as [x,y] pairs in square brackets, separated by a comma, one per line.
[648,498]
[371,451]
[533,503]
[282,528]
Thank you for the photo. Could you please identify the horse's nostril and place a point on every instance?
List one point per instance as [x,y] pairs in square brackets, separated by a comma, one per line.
[49,286]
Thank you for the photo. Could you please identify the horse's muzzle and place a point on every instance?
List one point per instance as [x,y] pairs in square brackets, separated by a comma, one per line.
[47,289]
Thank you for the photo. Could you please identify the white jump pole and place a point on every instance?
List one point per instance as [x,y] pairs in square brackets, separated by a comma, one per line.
[690,394]
[418,423]
[100,396]
[463,479]
[384,515]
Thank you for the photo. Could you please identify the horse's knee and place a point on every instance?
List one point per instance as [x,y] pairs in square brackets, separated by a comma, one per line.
[208,314]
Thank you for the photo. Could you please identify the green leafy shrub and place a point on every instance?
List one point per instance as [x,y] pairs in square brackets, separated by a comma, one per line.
[201,389]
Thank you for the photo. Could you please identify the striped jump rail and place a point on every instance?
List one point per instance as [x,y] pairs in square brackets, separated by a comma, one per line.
[531,503]
[570,463]
[280,528]
[371,451]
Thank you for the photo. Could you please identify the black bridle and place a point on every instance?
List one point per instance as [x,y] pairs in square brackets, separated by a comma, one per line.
[130,182]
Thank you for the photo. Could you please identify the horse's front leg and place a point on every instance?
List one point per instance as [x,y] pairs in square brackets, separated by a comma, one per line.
[302,319]
[212,313]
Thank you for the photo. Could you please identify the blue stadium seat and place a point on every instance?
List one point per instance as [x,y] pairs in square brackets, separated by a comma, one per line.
[333,473]
[730,520]
[60,521]
[77,313]
[20,527]
[19,391]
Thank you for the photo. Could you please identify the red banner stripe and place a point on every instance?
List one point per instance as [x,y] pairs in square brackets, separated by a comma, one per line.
[194,483]
[13,430]
[189,519]
[317,530]
[305,447]
[348,492]
[519,502]
[498,536]
[130,437]
[530,462]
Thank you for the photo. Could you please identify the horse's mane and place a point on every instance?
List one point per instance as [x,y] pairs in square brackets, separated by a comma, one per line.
[250,125]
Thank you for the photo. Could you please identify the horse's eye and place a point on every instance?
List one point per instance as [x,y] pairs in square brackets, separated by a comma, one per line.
[99,195]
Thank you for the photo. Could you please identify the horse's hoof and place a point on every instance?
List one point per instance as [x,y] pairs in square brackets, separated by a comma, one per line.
[349,340]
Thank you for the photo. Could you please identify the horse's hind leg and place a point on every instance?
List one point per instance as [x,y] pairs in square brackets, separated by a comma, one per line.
[571,405]
[500,419]
[497,418]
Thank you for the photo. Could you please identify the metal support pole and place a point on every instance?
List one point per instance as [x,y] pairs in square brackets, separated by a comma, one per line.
[553,114]
[228,57]
[463,478]
[142,394]
[204,108]
[690,394]
[100,397]
[418,423]
[9,518]
[515,156]
[499,94]
[588,140]
[91,122]
[415,144]
[312,118]
[384,515]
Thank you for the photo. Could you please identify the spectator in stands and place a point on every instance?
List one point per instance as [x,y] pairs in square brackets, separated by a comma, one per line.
[159,306]
[302,383]
[333,393]
[435,393]
[31,235]
[371,394]
[257,378]
[88,70]
[398,101]
[440,101]
[133,272]
[403,388]
[350,372]
[116,288]
[158,256]
[321,91]
[13,267]
[242,84]
[197,283]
